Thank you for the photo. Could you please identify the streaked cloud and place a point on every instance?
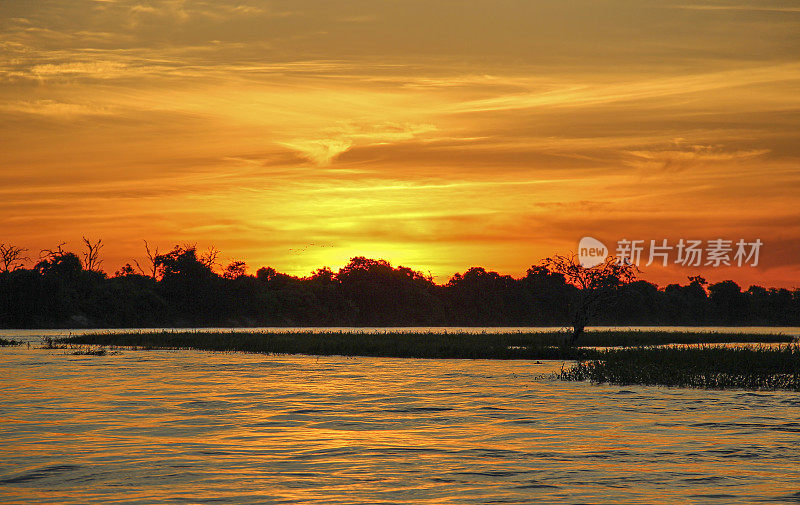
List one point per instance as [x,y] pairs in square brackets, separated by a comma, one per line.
[733,7]
[436,134]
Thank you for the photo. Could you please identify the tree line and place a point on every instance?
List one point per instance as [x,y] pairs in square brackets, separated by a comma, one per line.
[188,288]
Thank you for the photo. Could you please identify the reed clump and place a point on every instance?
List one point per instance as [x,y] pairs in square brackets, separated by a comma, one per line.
[707,367]
[102,351]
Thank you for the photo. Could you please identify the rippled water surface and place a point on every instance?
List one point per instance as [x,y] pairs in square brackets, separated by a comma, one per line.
[198,427]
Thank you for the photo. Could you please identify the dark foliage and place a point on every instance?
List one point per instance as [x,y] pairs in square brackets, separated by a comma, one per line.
[184,288]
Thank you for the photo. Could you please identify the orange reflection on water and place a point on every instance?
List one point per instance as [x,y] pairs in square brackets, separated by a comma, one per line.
[166,425]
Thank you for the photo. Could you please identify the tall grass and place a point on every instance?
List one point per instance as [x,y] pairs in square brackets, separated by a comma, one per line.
[698,367]
[512,345]
[389,344]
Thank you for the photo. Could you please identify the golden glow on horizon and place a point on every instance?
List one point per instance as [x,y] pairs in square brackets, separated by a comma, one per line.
[297,135]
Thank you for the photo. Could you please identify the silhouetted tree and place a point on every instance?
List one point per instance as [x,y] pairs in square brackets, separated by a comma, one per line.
[484,298]
[152,266]
[12,257]
[62,284]
[376,294]
[643,303]
[58,262]
[125,270]
[188,284]
[771,306]
[183,288]
[182,261]
[209,257]
[728,302]
[550,296]
[266,274]
[91,256]
[234,270]
[597,286]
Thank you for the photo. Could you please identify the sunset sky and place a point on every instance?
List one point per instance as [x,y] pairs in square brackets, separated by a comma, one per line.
[435,134]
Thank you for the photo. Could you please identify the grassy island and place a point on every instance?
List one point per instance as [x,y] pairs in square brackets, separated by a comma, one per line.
[620,357]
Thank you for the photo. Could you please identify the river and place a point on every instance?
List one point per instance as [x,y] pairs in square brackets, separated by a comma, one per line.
[164,426]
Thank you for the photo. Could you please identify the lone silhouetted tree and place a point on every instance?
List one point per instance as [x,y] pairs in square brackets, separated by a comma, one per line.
[597,286]
[91,256]
[11,257]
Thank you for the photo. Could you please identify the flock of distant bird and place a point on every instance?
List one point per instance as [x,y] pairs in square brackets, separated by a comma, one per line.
[301,250]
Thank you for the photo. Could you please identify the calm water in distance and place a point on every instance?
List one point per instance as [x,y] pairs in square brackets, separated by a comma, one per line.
[195,427]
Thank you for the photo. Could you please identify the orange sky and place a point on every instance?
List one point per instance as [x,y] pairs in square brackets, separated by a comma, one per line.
[438,135]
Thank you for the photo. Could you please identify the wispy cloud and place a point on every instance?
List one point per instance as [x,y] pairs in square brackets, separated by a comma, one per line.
[389,129]
[693,156]
[53,108]
[572,95]
[322,151]
[735,7]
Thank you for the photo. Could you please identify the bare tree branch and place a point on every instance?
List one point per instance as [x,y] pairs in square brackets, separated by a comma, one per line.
[52,254]
[209,257]
[596,285]
[152,268]
[11,257]
[91,257]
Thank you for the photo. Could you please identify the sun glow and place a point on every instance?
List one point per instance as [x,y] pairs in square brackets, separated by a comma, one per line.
[299,138]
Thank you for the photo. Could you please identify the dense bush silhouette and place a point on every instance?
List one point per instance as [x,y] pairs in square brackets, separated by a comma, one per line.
[185,288]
